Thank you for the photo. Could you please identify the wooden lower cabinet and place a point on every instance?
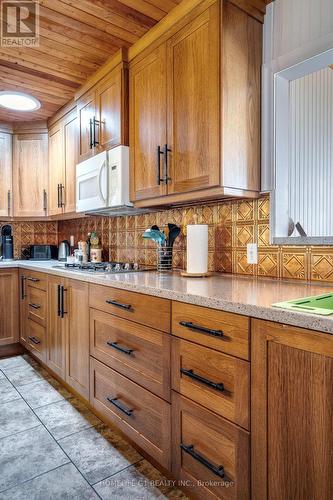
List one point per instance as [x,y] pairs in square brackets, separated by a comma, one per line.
[57,326]
[9,307]
[36,339]
[210,455]
[142,416]
[218,382]
[292,413]
[77,340]
[138,352]
[23,306]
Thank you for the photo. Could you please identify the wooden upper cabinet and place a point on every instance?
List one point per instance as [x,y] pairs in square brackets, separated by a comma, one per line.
[198,93]
[193,104]
[148,124]
[112,109]
[292,412]
[103,114]
[70,138]
[30,174]
[56,169]
[63,155]
[9,307]
[5,174]
[85,115]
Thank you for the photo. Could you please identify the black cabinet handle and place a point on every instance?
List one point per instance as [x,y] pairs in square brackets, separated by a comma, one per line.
[118,304]
[62,301]
[8,202]
[115,345]
[159,153]
[34,340]
[95,123]
[34,306]
[58,301]
[44,200]
[217,470]
[58,190]
[60,196]
[120,407]
[166,163]
[34,280]
[202,329]
[23,294]
[214,385]
[91,142]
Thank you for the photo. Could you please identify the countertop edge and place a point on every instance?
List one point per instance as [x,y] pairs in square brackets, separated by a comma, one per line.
[298,319]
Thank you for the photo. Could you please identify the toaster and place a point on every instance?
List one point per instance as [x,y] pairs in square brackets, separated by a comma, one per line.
[43,252]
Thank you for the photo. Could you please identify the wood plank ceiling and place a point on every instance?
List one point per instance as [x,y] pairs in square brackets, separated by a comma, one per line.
[76,38]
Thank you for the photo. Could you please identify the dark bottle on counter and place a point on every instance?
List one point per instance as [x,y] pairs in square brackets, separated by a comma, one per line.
[88,246]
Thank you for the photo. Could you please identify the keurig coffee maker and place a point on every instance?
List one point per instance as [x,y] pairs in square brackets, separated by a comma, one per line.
[7,243]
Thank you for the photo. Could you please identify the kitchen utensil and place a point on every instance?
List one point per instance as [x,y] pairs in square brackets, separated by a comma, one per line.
[291,226]
[174,232]
[153,234]
[63,252]
[301,230]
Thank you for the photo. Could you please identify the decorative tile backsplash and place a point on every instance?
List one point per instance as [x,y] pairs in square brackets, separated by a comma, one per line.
[32,233]
[232,224]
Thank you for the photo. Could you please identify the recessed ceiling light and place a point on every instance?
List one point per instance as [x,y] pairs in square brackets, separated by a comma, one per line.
[18,101]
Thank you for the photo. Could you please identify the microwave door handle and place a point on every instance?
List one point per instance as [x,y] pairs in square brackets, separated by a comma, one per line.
[100,180]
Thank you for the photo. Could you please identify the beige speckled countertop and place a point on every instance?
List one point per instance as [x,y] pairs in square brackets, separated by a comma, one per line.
[242,295]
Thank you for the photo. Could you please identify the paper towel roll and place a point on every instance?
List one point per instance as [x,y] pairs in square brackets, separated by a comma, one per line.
[197,248]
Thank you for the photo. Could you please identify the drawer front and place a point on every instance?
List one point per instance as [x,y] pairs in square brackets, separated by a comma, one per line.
[36,339]
[209,452]
[142,416]
[225,332]
[36,280]
[139,352]
[37,305]
[217,381]
[144,309]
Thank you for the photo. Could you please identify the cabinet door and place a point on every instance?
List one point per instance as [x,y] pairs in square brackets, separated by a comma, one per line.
[193,104]
[30,174]
[111,111]
[56,169]
[77,343]
[292,413]
[148,124]
[5,174]
[85,115]
[9,309]
[70,137]
[23,306]
[56,328]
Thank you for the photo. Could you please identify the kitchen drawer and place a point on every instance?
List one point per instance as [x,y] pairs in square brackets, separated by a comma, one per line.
[142,416]
[217,381]
[223,331]
[209,452]
[37,305]
[35,279]
[137,351]
[36,339]
[144,309]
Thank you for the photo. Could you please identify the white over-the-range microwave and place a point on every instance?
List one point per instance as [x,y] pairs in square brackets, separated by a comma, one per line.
[102,183]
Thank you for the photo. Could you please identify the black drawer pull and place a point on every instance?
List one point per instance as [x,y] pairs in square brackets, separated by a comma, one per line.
[34,306]
[119,304]
[214,385]
[218,471]
[115,345]
[202,329]
[35,340]
[120,407]
[34,280]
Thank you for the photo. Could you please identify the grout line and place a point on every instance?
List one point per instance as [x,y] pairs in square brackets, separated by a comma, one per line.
[118,472]
[19,432]
[76,432]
